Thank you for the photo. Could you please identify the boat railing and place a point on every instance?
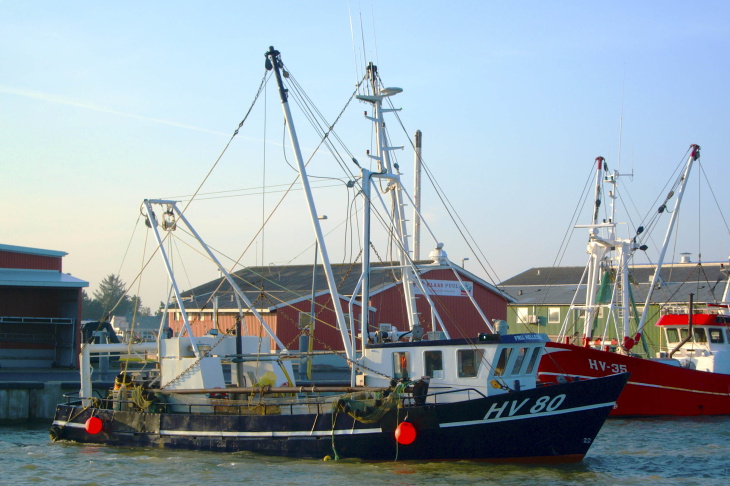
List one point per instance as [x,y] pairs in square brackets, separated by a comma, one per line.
[226,406]
[434,396]
[75,396]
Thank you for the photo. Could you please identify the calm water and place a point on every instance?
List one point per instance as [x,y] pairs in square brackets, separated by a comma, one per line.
[627,452]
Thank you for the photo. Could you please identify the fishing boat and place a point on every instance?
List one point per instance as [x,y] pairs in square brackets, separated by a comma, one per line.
[412,394]
[690,375]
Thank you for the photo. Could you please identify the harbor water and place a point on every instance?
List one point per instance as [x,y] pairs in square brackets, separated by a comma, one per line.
[684,451]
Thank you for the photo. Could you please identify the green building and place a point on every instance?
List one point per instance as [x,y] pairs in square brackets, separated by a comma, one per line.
[551,300]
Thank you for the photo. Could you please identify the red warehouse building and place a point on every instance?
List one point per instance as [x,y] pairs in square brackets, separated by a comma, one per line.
[283,296]
[40,309]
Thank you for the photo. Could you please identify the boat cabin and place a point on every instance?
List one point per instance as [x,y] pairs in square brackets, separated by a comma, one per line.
[706,347]
[456,363]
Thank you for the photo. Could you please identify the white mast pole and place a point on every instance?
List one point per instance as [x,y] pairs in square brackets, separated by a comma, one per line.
[168,268]
[417,198]
[694,155]
[274,61]
[596,248]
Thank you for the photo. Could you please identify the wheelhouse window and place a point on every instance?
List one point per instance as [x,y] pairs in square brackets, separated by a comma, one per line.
[401,362]
[519,360]
[700,336]
[716,336]
[434,364]
[684,333]
[672,335]
[504,355]
[469,361]
[533,360]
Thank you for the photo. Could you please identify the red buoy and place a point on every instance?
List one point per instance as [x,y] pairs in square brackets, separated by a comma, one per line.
[405,433]
[93,425]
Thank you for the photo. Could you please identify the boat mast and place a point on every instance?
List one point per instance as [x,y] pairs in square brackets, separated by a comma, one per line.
[727,289]
[623,248]
[273,61]
[598,247]
[694,155]
[596,250]
[389,172]
[417,198]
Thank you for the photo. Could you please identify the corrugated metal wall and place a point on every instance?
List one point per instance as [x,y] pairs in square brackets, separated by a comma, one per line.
[459,315]
[30,302]
[457,312]
[11,259]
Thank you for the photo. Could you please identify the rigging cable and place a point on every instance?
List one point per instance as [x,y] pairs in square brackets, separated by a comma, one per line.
[240,125]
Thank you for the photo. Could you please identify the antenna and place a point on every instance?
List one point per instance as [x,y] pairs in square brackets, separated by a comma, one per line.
[620,128]
[354,49]
[375,37]
[621,119]
[362,39]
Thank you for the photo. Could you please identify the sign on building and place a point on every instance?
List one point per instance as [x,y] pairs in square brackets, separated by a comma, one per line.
[451,288]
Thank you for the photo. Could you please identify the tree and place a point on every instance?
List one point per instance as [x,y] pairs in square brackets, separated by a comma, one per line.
[91,309]
[111,295]
[111,299]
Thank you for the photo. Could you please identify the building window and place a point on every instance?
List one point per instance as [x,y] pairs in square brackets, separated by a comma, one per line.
[553,315]
[433,364]
[305,319]
[521,315]
[468,362]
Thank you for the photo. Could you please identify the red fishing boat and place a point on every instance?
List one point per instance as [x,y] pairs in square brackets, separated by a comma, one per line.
[690,375]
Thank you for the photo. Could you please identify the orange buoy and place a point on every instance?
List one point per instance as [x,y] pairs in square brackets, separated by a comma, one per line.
[405,433]
[93,425]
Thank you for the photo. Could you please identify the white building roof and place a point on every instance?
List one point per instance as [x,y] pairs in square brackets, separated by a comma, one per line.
[18,277]
[32,251]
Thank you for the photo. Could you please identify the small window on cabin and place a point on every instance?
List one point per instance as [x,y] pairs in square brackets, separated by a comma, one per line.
[716,336]
[519,360]
[533,361]
[434,364]
[401,363]
[553,315]
[672,335]
[684,333]
[502,361]
[700,336]
[469,361]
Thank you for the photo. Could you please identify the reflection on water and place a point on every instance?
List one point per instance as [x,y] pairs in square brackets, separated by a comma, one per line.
[666,451]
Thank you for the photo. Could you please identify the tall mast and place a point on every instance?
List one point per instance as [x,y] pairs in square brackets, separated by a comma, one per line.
[694,155]
[273,61]
[596,250]
[387,171]
[417,199]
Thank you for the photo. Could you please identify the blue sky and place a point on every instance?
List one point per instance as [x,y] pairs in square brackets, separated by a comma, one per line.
[105,104]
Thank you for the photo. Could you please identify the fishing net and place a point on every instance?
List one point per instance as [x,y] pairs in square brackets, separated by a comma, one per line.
[369,407]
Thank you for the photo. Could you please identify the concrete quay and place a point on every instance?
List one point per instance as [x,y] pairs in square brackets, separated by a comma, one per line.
[28,395]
